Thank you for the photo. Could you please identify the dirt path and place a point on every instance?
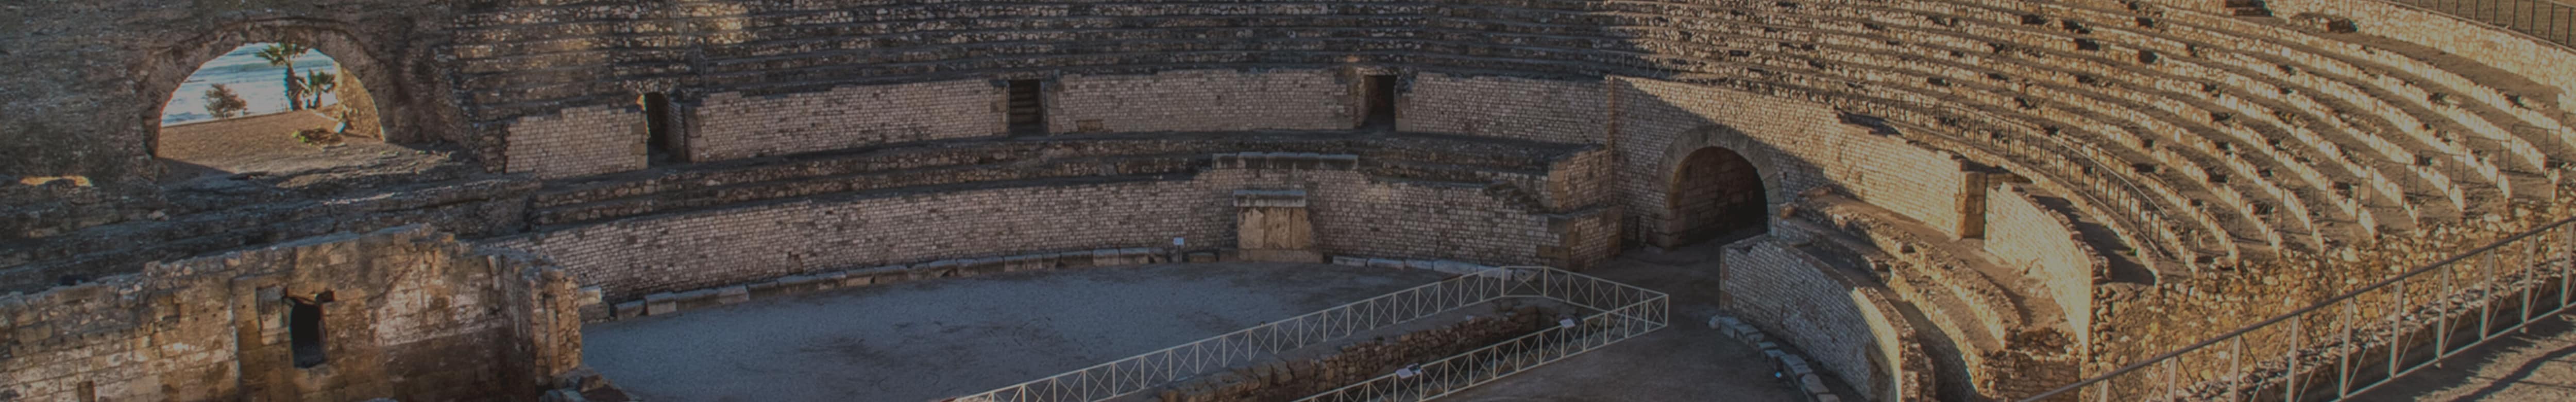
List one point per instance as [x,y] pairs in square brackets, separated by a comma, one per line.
[263,143]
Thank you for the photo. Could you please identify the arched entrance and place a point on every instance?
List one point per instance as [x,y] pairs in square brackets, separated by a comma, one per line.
[1716,193]
[268,107]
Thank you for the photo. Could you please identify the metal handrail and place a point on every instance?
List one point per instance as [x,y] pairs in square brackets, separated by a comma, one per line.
[1146,371]
[1455,373]
[2237,335]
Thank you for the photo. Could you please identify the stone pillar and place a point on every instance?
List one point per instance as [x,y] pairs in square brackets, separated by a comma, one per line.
[1272,226]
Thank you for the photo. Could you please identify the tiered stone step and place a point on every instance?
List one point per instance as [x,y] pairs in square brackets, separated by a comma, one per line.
[1991,310]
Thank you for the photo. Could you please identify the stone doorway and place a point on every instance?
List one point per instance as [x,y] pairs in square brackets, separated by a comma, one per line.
[1715,193]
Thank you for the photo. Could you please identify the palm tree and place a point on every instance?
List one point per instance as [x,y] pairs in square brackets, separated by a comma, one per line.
[284,54]
[223,103]
[318,83]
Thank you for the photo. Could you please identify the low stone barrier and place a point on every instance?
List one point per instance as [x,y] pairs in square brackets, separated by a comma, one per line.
[1791,366]
[674,302]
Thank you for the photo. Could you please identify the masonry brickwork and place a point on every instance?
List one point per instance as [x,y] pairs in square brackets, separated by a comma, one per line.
[1201,100]
[732,125]
[578,142]
[409,313]
[1506,107]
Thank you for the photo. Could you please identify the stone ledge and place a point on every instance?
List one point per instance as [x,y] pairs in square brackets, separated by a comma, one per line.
[1791,366]
[675,302]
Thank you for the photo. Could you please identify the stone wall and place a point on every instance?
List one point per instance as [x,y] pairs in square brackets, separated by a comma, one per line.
[1200,100]
[1353,214]
[1570,111]
[1851,328]
[734,125]
[407,313]
[1795,145]
[578,142]
[2022,234]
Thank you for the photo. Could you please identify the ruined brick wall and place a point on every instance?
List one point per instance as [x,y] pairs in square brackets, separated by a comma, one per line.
[578,142]
[410,314]
[1852,329]
[679,252]
[1353,214]
[2025,235]
[1200,100]
[734,125]
[1572,111]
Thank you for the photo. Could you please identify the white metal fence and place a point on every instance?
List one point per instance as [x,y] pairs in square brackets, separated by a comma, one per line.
[2357,341]
[1624,311]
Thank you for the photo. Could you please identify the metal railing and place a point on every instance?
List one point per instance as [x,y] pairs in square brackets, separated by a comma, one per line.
[2359,340]
[1158,368]
[1457,373]
[2546,20]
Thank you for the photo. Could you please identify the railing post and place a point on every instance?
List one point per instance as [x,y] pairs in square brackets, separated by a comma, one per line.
[2442,315]
[2343,372]
[2290,358]
[2486,299]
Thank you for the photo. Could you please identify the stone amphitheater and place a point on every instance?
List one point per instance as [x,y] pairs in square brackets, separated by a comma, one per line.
[1926,199]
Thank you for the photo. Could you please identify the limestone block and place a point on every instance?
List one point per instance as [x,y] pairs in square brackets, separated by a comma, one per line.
[935,269]
[1386,263]
[979,267]
[1073,259]
[630,309]
[885,274]
[1350,261]
[1025,262]
[849,279]
[697,299]
[763,290]
[662,303]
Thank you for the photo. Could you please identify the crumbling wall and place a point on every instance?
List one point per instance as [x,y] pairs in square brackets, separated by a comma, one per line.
[406,313]
[1354,213]
[2045,246]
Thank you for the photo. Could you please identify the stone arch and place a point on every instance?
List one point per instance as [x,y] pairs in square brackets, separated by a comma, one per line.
[161,74]
[1718,181]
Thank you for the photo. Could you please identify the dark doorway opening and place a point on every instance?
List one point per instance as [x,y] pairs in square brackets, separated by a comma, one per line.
[1027,108]
[304,329]
[1716,193]
[1380,102]
[661,145]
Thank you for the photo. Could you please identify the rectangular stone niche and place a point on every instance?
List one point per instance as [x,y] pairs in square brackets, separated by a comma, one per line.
[1272,226]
